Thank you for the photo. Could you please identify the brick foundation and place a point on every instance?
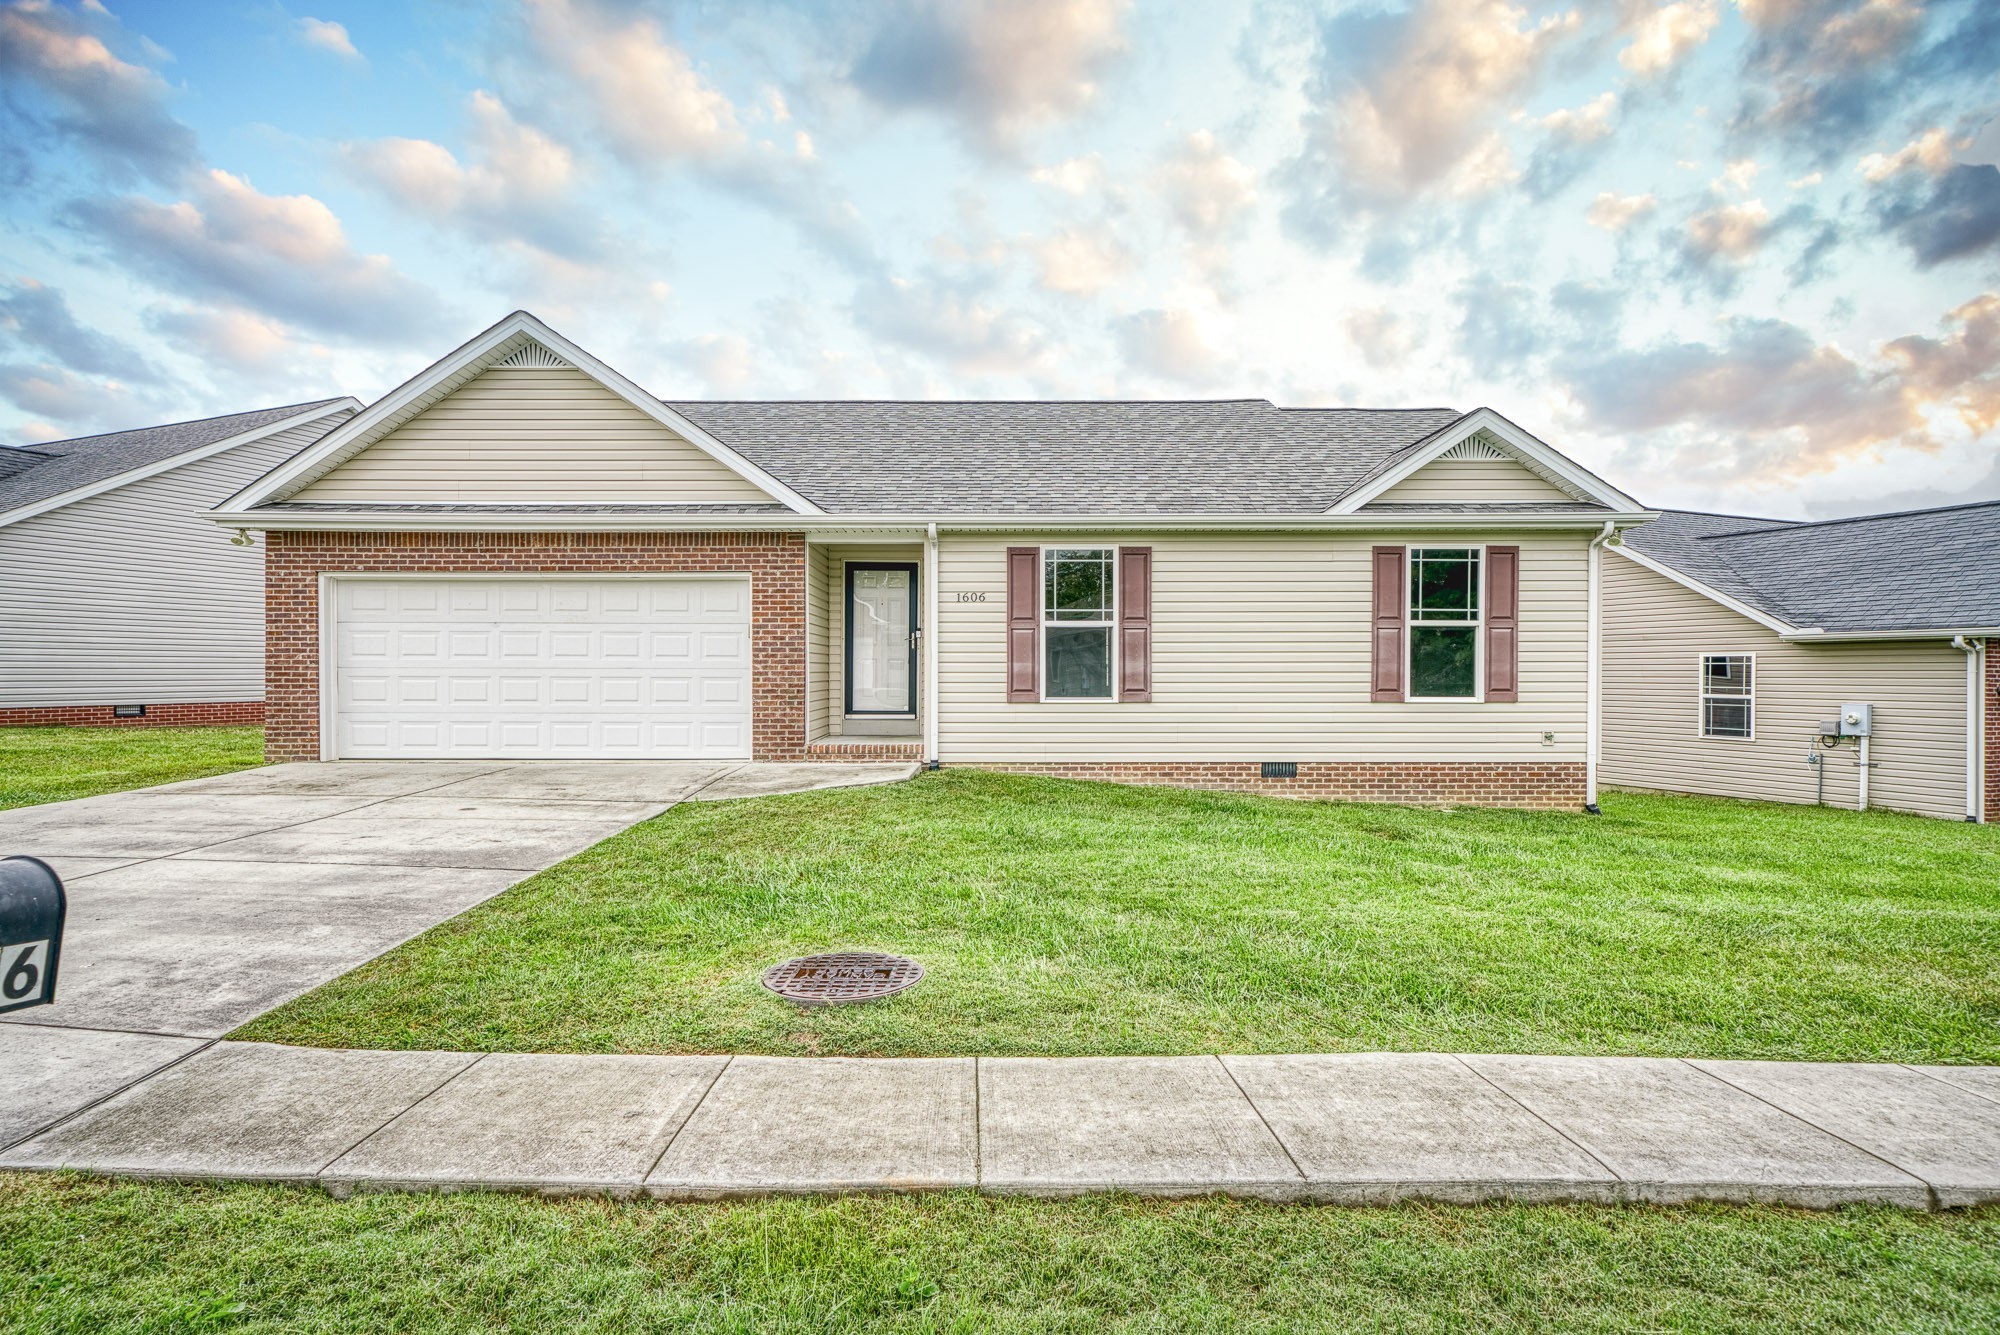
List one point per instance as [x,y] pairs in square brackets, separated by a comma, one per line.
[1992,697]
[775,562]
[225,713]
[1541,786]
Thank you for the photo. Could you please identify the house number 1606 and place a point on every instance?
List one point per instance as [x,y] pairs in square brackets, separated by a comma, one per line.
[964,597]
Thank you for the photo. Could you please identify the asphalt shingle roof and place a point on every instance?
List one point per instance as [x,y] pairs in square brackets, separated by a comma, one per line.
[31,474]
[1916,570]
[1240,456]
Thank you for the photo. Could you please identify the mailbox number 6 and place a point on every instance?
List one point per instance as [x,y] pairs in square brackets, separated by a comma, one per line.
[21,969]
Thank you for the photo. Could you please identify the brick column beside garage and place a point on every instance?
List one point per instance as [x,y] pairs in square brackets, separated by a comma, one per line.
[775,562]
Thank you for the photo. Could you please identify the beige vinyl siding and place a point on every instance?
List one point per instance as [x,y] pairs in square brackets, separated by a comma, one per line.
[1474,480]
[819,644]
[135,596]
[519,435]
[836,600]
[1655,634]
[1261,652]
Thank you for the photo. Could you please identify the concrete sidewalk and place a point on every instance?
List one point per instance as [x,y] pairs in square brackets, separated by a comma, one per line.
[1360,1129]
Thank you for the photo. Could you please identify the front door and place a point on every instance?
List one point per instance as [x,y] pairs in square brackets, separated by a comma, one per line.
[881,638]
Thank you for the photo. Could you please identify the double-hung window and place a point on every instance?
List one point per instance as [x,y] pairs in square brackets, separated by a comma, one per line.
[1079,609]
[1727,684]
[1444,623]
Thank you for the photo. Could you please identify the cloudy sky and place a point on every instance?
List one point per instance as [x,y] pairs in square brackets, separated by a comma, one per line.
[1738,255]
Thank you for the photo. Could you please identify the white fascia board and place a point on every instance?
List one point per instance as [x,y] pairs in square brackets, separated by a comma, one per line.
[357,433]
[1580,481]
[1765,619]
[1933,633]
[160,466]
[491,521]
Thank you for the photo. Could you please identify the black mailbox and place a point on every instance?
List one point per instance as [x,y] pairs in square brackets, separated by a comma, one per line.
[32,905]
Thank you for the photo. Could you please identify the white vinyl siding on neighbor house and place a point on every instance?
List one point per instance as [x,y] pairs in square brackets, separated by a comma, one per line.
[533,435]
[1473,480]
[822,709]
[134,596]
[1261,651]
[1656,633]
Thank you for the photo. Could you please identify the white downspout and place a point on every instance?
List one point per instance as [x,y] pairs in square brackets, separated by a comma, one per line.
[1973,806]
[930,642]
[1594,673]
[1861,767]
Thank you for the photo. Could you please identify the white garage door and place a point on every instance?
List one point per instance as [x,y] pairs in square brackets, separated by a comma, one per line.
[565,669]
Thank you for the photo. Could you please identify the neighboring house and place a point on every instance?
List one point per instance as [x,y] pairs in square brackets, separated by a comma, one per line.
[520,553]
[1727,642]
[119,601]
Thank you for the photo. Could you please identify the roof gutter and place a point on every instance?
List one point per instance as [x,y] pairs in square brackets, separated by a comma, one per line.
[1815,635]
[265,520]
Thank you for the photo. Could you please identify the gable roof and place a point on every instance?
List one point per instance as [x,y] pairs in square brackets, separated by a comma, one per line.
[31,476]
[1235,456]
[519,340]
[1915,570]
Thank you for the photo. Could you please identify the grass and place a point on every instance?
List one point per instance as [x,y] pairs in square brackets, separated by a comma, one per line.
[1069,918]
[55,764]
[84,1255]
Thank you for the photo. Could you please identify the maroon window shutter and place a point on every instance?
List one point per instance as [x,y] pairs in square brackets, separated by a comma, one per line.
[1135,623]
[1024,624]
[1503,624]
[1390,597]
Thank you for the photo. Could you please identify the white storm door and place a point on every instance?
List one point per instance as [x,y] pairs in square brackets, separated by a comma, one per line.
[880,603]
[542,669]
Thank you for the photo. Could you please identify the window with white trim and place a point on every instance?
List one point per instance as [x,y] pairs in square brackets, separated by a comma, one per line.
[1728,683]
[1079,608]
[1444,623]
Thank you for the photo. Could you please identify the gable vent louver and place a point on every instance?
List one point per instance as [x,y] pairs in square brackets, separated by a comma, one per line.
[1473,448]
[534,357]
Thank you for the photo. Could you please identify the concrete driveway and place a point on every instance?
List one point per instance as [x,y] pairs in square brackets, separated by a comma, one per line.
[196,906]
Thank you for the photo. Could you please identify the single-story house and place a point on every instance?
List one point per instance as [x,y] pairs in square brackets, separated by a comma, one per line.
[1848,661]
[520,553]
[119,601]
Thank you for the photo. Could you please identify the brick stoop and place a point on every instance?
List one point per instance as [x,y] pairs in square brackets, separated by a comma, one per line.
[206,714]
[836,749]
[1538,786]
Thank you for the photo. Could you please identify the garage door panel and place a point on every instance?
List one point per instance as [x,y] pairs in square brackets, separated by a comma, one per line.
[554,669]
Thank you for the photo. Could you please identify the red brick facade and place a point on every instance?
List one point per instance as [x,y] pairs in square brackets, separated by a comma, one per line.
[1544,786]
[775,562]
[837,750]
[222,713]
[1992,697]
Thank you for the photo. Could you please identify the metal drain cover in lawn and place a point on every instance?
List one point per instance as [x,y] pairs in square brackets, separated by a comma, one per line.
[842,977]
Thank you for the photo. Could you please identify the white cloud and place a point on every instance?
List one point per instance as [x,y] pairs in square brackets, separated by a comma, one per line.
[328,36]
[1081,260]
[236,338]
[520,186]
[952,324]
[1206,190]
[723,361]
[1805,182]
[115,109]
[1730,231]
[1590,122]
[1614,213]
[1738,175]
[998,67]
[1931,151]
[1171,345]
[1073,176]
[1405,103]
[285,256]
[1663,37]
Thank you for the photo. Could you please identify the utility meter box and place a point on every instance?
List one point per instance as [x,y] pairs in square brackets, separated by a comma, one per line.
[1857,720]
[32,908]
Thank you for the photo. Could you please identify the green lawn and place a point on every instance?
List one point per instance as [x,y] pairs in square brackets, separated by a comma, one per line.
[1063,918]
[55,764]
[79,1255]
